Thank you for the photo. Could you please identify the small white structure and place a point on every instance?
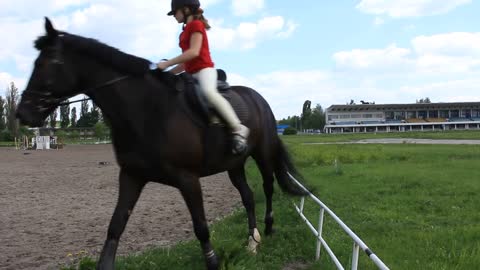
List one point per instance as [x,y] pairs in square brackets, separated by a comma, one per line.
[41,142]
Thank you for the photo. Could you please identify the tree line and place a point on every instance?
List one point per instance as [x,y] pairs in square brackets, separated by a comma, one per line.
[63,117]
[309,119]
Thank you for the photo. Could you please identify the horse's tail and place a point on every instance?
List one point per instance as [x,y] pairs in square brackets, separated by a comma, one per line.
[285,170]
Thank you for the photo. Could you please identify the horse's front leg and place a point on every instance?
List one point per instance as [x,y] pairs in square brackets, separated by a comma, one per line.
[192,193]
[129,191]
[238,179]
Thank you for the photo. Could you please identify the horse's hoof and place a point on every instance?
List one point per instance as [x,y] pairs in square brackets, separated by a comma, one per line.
[254,241]
[211,260]
[212,263]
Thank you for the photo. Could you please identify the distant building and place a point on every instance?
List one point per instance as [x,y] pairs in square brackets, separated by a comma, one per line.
[281,128]
[402,117]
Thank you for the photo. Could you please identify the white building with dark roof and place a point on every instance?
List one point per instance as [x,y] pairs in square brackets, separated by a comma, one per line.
[402,117]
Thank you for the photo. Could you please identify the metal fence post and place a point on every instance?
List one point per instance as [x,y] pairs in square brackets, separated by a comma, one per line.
[358,243]
[320,228]
[356,249]
[302,202]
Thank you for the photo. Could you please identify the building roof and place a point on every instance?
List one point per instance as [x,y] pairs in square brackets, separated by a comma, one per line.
[411,106]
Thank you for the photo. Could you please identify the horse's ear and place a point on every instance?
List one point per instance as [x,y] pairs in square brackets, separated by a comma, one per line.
[52,32]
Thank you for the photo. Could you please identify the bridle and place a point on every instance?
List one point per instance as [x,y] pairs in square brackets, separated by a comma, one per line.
[47,99]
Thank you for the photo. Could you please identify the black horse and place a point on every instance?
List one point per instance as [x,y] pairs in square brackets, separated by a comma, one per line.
[156,137]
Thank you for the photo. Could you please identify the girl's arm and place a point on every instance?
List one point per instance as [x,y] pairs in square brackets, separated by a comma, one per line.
[178,69]
[194,51]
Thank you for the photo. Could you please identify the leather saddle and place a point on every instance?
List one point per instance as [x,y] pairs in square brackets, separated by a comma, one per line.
[197,105]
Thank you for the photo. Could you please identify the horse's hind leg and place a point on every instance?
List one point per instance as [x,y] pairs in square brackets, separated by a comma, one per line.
[192,193]
[130,189]
[237,176]
[266,169]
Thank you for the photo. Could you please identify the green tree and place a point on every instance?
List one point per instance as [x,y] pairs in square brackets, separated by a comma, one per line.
[94,115]
[11,107]
[73,121]
[293,121]
[290,131]
[74,135]
[424,100]
[53,118]
[99,113]
[306,113]
[2,114]
[285,121]
[88,118]
[64,116]
[6,135]
[101,130]
[317,119]
[24,131]
[83,108]
[61,135]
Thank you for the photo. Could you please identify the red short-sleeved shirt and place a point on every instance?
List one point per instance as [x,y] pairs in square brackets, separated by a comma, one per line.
[203,60]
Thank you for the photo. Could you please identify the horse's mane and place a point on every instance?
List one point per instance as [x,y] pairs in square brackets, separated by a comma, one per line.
[104,53]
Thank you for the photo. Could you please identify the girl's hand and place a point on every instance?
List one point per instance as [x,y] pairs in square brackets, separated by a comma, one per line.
[163,65]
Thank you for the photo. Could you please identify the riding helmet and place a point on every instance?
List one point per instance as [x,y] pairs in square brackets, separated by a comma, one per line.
[176,4]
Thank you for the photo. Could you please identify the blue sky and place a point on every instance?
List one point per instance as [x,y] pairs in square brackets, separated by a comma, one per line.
[329,52]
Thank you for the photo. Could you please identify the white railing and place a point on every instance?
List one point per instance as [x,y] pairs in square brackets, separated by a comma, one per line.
[357,242]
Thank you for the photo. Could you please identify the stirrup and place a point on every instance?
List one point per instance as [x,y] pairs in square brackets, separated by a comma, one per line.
[239,144]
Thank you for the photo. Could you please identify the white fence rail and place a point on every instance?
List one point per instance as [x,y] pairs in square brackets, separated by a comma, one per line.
[357,242]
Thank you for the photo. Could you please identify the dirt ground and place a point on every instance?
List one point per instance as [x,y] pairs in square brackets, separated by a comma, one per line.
[56,204]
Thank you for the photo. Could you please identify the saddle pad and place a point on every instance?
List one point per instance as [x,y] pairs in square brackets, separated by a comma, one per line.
[238,104]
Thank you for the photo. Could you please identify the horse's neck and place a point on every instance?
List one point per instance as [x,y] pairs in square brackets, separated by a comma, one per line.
[130,105]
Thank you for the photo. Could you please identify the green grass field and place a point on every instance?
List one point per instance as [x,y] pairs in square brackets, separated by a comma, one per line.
[415,206]
[7,144]
[459,135]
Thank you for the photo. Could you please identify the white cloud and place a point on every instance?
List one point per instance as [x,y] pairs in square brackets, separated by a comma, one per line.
[207,3]
[19,45]
[27,9]
[247,7]
[390,58]
[448,53]
[134,27]
[6,79]
[443,53]
[452,44]
[435,66]
[409,8]
[447,91]
[286,91]
[144,33]
[409,27]
[247,35]
[378,21]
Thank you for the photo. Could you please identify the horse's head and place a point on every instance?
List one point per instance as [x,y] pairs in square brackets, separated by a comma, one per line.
[51,82]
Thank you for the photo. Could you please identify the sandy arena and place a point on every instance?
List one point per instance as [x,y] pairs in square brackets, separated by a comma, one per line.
[57,203]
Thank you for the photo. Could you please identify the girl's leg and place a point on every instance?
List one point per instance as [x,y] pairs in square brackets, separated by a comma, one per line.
[207,79]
